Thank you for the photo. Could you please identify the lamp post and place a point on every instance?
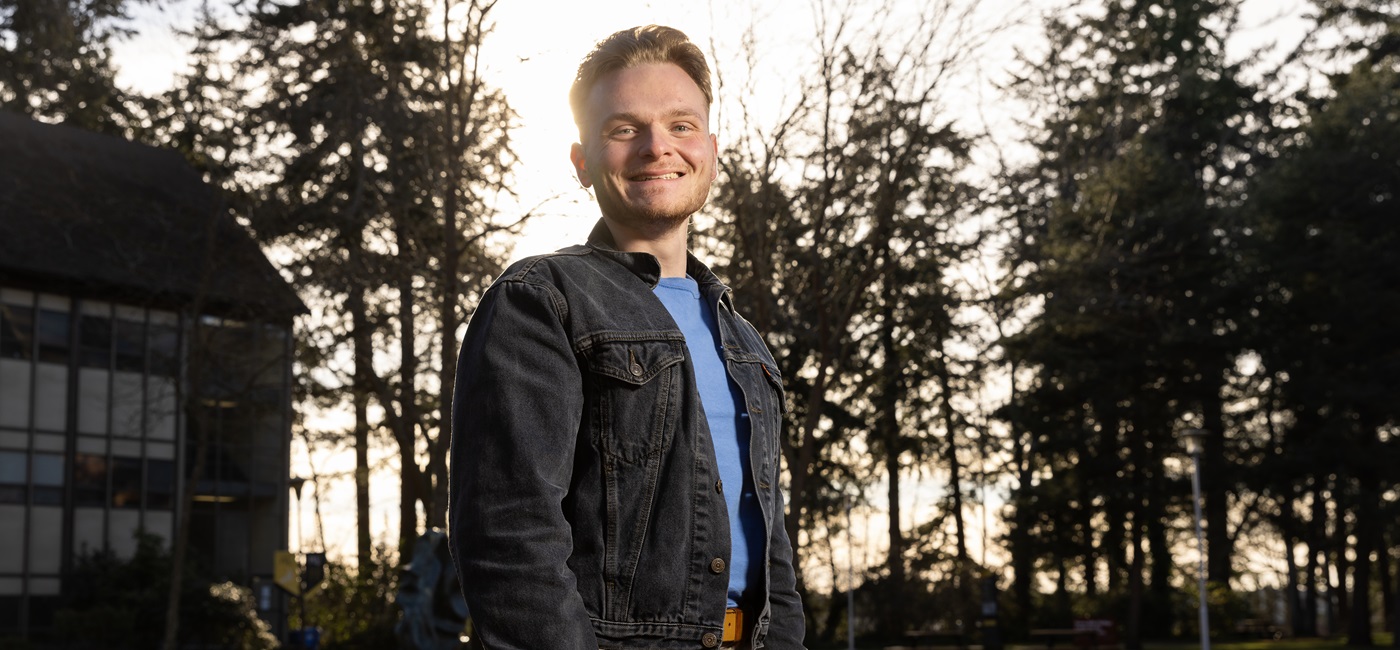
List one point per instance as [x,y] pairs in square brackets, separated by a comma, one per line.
[1195,442]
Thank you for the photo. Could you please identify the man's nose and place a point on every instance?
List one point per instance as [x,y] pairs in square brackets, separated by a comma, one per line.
[655,143]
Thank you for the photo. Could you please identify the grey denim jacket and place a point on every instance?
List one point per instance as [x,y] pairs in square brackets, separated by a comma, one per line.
[586,505]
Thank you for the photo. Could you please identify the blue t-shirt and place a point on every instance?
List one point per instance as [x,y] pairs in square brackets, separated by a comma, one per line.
[728,418]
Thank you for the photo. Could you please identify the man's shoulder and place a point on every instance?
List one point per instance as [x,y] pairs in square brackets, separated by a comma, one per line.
[549,268]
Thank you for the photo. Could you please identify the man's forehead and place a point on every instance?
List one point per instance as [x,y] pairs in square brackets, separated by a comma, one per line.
[622,92]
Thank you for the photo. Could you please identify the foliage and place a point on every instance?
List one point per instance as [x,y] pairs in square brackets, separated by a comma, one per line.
[1126,230]
[119,603]
[56,62]
[354,606]
[837,229]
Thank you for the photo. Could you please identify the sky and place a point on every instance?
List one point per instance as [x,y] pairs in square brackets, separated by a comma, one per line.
[533,54]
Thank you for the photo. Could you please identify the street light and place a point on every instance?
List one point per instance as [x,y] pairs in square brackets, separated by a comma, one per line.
[1195,443]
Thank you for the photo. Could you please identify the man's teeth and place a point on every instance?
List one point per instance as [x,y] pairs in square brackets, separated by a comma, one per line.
[663,177]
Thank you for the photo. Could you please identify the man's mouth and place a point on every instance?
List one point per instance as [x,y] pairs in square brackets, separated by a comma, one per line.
[657,177]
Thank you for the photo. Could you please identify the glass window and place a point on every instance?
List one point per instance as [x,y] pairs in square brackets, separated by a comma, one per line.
[16,332]
[126,482]
[89,480]
[55,329]
[96,339]
[9,613]
[165,350]
[14,477]
[130,339]
[48,479]
[160,484]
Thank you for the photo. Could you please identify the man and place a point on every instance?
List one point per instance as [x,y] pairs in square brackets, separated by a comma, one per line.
[616,426]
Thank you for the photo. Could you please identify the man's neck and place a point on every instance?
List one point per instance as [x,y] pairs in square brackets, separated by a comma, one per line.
[667,244]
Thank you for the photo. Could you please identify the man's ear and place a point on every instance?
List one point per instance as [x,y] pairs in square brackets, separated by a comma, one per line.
[580,165]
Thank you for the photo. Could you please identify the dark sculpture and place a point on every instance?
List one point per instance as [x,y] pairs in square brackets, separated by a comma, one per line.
[434,612]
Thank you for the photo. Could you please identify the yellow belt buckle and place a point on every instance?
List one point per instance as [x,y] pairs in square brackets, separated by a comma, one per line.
[733,624]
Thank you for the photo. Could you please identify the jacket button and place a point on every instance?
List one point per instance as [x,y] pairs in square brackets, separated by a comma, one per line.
[709,640]
[637,369]
[764,485]
[717,565]
[719,487]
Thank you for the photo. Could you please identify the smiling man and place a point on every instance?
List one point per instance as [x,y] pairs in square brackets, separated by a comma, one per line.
[615,446]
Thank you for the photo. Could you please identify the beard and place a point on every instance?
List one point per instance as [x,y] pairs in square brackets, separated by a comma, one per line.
[653,217]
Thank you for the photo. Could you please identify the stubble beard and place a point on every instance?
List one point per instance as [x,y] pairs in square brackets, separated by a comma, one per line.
[653,222]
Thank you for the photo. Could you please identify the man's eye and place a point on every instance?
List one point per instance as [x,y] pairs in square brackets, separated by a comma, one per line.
[626,130]
[685,128]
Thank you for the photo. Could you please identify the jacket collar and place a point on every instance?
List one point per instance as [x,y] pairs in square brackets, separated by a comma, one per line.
[645,265]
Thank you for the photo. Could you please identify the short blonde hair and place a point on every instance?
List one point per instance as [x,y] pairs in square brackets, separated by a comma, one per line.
[637,46]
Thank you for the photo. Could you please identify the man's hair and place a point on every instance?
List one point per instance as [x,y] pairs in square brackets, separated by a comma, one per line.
[633,47]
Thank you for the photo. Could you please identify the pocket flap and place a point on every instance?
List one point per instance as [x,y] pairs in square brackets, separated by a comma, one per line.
[634,362]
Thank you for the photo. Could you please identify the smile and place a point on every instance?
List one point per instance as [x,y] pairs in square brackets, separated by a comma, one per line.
[658,177]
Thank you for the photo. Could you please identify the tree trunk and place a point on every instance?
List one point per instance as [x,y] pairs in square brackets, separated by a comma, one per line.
[1133,629]
[1215,487]
[1288,525]
[1387,583]
[407,426]
[964,587]
[1158,623]
[195,413]
[1341,531]
[1316,525]
[363,351]
[1359,624]
[890,392]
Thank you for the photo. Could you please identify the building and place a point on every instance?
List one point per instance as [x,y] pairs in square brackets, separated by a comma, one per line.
[145,346]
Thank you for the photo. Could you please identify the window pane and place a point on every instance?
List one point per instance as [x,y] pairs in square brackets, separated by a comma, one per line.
[48,470]
[48,479]
[130,338]
[54,330]
[89,480]
[126,483]
[14,477]
[96,336]
[16,332]
[165,348]
[160,484]
[12,467]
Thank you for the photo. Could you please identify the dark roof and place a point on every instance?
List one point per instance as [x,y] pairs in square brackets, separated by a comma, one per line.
[98,214]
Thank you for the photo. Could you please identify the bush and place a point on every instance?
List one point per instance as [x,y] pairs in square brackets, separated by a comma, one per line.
[354,608]
[117,604]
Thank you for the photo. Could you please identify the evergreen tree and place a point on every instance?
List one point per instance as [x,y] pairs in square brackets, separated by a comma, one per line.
[56,62]
[1125,246]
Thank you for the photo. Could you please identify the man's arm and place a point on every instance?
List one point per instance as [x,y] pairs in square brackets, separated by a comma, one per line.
[787,628]
[516,413]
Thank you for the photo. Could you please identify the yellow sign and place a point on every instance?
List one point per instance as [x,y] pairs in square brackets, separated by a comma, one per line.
[285,572]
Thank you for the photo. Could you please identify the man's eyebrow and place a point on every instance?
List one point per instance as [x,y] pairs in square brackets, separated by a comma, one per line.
[624,116]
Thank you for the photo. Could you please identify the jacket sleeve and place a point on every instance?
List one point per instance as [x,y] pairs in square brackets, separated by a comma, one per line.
[516,411]
[787,628]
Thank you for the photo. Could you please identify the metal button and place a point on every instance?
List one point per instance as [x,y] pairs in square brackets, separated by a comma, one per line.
[719,487]
[763,484]
[717,565]
[637,369]
[709,640]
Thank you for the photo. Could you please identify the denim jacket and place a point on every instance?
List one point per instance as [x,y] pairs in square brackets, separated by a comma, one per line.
[586,504]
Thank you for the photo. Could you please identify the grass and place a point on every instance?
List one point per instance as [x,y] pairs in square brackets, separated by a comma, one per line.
[1382,640]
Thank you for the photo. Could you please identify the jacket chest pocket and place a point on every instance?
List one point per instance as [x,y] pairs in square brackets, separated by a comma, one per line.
[634,395]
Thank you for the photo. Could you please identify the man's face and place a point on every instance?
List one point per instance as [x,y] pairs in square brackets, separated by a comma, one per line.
[647,149]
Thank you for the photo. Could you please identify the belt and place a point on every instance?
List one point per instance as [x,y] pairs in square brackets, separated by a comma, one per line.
[733,624]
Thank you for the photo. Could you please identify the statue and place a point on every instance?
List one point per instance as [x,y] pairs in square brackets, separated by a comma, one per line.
[434,612]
